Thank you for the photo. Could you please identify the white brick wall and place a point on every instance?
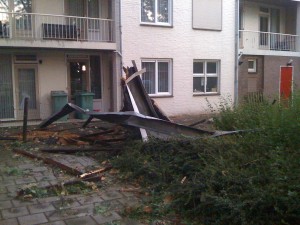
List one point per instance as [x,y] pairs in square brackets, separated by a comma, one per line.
[182,44]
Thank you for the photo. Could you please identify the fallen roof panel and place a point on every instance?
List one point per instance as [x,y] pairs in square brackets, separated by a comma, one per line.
[131,119]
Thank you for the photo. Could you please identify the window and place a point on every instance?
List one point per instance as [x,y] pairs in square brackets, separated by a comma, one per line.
[156,12]
[207,15]
[157,79]
[206,76]
[23,20]
[251,66]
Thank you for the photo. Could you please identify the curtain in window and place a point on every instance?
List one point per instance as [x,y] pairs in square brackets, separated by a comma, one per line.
[6,88]
[76,7]
[148,11]
[26,83]
[163,12]
[163,77]
[148,78]
[93,12]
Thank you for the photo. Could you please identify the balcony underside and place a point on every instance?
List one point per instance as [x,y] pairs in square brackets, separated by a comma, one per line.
[57,44]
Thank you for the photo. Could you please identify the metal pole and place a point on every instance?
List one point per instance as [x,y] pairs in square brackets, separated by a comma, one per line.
[236,64]
[25,118]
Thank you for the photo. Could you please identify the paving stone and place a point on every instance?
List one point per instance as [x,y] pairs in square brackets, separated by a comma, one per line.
[53,182]
[106,207]
[26,180]
[129,222]
[8,182]
[14,212]
[69,213]
[45,178]
[106,219]
[12,221]
[4,197]
[55,223]
[65,203]
[48,173]
[19,203]
[39,169]
[32,219]
[83,200]
[109,195]
[3,190]
[87,220]
[43,184]
[26,166]
[5,204]
[129,201]
[41,207]
[10,177]
[49,199]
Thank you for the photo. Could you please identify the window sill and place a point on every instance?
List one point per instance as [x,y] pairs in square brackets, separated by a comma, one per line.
[161,96]
[156,25]
[206,94]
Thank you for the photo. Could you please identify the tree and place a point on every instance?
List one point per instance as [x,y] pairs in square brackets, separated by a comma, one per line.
[20,6]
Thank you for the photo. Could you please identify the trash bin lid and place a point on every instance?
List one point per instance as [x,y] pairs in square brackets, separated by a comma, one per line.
[84,94]
[58,93]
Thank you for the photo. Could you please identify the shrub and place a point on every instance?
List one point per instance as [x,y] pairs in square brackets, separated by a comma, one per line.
[251,178]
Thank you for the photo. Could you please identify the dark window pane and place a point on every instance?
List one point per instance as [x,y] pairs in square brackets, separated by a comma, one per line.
[198,67]
[163,75]
[95,76]
[6,88]
[26,83]
[251,64]
[148,11]
[148,78]
[212,67]
[212,84]
[198,85]
[163,11]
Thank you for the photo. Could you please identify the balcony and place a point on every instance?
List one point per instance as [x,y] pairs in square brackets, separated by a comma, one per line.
[267,43]
[45,30]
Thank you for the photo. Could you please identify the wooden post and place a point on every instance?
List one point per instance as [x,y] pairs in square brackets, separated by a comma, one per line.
[25,118]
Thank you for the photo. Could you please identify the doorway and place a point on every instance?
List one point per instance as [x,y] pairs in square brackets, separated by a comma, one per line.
[78,76]
[264,31]
[26,86]
[286,81]
[85,75]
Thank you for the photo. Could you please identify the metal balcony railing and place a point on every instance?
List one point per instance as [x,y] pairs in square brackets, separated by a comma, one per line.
[257,40]
[33,26]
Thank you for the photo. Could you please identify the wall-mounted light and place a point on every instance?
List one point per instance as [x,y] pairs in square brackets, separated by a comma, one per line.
[83,68]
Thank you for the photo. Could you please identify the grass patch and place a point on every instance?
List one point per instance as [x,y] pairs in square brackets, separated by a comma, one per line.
[33,191]
[248,179]
[13,171]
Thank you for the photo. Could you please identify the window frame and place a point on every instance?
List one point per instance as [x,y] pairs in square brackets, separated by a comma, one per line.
[156,23]
[206,75]
[254,69]
[170,76]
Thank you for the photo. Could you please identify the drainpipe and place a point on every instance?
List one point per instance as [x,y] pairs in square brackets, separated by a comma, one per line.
[119,52]
[236,61]
[116,104]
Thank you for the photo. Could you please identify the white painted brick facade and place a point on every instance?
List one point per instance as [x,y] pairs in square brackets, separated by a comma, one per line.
[182,44]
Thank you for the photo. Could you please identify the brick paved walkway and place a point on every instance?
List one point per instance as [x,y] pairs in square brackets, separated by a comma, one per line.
[98,207]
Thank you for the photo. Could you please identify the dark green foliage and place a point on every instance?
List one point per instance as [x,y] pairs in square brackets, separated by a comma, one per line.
[248,179]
